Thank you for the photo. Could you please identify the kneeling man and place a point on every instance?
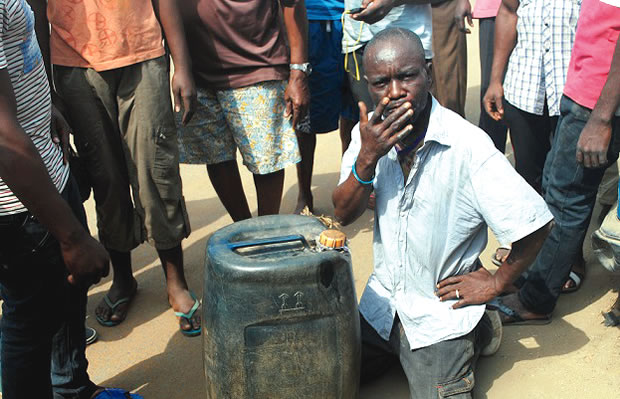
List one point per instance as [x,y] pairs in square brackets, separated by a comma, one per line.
[439,183]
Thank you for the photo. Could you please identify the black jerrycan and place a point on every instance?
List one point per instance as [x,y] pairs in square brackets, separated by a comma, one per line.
[280,316]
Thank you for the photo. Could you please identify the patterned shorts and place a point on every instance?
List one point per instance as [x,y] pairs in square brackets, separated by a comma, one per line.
[249,118]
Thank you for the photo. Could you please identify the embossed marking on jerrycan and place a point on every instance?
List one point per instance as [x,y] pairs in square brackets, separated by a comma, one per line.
[280,316]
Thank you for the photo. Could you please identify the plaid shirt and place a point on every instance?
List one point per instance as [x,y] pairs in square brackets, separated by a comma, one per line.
[539,62]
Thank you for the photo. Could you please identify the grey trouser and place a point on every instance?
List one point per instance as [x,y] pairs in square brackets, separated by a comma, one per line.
[442,370]
[125,133]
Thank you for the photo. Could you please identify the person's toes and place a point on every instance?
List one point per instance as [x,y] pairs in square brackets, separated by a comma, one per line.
[103,311]
[184,324]
[120,312]
[196,321]
[568,285]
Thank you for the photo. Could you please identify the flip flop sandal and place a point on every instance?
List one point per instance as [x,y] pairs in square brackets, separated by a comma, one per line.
[113,305]
[494,258]
[612,318]
[513,318]
[116,393]
[91,335]
[188,316]
[577,279]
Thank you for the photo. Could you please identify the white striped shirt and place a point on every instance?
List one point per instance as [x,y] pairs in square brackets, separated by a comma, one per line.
[539,62]
[20,54]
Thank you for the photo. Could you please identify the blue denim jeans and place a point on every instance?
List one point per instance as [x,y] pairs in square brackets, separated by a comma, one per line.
[43,339]
[570,191]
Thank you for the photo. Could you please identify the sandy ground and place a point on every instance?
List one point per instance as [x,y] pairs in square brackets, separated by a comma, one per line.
[573,357]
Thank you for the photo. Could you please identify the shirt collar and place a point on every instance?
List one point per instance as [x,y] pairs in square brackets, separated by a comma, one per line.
[436,131]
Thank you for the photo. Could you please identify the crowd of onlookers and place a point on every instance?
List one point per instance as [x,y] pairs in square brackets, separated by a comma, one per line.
[264,77]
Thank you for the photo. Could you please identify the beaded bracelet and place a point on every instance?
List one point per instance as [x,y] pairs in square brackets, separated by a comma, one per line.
[364,182]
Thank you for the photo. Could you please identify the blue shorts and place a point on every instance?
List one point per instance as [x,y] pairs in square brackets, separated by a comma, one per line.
[329,93]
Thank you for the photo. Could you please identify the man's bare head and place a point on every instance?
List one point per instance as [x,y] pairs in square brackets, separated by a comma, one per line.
[393,42]
[396,69]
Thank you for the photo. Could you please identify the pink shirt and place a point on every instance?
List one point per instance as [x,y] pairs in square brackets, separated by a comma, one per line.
[486,8]
[597,33]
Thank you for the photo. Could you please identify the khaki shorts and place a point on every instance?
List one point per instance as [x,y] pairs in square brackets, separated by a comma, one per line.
[249,118]
[124,131]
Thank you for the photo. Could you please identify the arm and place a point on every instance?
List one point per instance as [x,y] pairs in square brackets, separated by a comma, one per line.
[42,29]
[23,171]
[297,94]
[481,286]
[594,139]
[183,87]
[505,40]
[378,137]
[376,11]
[60,128]
[463,10]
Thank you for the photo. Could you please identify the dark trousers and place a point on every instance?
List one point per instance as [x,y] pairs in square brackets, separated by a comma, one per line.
[43,339]
[531,139]
[496,130]
[444,369]
[570,191]
[450,58]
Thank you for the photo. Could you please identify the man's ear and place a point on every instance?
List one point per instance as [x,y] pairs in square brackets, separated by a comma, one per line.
[429,72]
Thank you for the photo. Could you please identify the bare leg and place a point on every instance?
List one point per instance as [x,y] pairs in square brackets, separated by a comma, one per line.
[269,192]
[307,145]
[123,286]
[178,293]
[346,126]
[227,183]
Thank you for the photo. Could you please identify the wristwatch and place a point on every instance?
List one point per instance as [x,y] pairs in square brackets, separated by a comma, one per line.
[305,68]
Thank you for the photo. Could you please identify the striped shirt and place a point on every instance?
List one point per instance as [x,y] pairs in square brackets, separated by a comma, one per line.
[20,54]
[539,62]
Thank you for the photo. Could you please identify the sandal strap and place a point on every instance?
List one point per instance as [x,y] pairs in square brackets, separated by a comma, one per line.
[191,312]
[575,277]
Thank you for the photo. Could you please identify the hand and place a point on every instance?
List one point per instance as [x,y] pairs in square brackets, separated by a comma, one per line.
[594,142]
[297,96]
[374,11]
[474,288]
[86,259]
[380,135]
[493,101]
[60,132]
[463,10]
[184,91]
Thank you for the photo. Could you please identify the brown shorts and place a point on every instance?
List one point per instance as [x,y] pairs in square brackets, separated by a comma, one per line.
[124,131]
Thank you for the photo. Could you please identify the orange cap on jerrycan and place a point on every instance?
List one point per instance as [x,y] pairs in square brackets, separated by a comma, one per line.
[334,239]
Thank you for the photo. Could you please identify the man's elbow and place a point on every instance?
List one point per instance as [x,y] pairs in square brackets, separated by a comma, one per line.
[340,212]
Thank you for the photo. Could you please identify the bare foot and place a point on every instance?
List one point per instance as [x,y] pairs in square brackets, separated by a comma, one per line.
[182,301]
[303,203]
[113,311]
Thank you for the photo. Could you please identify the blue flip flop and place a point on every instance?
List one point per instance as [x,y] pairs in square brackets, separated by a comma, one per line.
[116,393]
[114,305]
[188,316]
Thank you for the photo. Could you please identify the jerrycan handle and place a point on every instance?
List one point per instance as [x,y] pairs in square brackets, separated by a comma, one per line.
[267,241]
